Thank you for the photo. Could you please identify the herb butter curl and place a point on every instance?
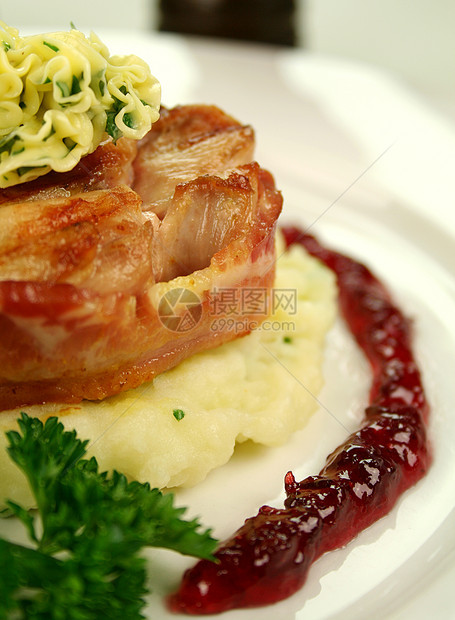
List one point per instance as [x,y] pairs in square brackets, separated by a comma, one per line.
[60,94]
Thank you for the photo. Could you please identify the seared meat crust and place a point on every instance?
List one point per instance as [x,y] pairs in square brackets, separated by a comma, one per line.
[87,257]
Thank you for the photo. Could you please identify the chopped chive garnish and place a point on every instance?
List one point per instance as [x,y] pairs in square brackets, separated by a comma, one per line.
[24,169]
[7,143]
[64,88]
[178,414]
[69,143]
[75,85]
[128,120]
[54,48]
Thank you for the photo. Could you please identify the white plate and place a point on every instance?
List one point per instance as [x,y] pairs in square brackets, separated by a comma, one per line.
[316,156]
[389,563]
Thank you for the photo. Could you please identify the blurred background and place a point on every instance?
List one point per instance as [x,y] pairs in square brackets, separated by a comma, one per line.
[413,39]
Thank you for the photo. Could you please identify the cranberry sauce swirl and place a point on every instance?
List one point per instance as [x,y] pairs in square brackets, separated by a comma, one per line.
[268,558]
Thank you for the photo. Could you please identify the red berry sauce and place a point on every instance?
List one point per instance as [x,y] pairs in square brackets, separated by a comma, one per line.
[268,558]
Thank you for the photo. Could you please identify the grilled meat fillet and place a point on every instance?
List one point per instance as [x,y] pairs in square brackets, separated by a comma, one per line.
[110,273]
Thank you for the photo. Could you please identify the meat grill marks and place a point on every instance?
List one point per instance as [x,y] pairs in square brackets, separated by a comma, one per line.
[82,273]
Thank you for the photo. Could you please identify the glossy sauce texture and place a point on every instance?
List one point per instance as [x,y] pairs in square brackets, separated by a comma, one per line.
[268,558]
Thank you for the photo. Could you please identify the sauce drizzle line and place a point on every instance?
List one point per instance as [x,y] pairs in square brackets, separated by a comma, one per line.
[268,558]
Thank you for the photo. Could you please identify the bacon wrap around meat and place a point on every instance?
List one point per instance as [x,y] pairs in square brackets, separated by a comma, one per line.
[110,274]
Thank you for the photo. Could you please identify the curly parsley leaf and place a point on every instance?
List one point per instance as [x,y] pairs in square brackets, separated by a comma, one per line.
[86,561]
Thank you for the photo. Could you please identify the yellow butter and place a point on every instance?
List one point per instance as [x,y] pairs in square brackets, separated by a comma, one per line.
[60,93]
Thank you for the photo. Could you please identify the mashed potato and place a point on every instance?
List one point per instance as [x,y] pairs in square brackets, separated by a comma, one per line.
[174,430]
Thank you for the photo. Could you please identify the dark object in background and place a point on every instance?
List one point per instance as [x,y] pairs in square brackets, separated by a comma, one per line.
[264,21]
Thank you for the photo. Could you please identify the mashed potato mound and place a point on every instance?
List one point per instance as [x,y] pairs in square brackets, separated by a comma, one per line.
[259,387]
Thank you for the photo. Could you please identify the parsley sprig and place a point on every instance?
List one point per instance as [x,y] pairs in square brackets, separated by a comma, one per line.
[85,562]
